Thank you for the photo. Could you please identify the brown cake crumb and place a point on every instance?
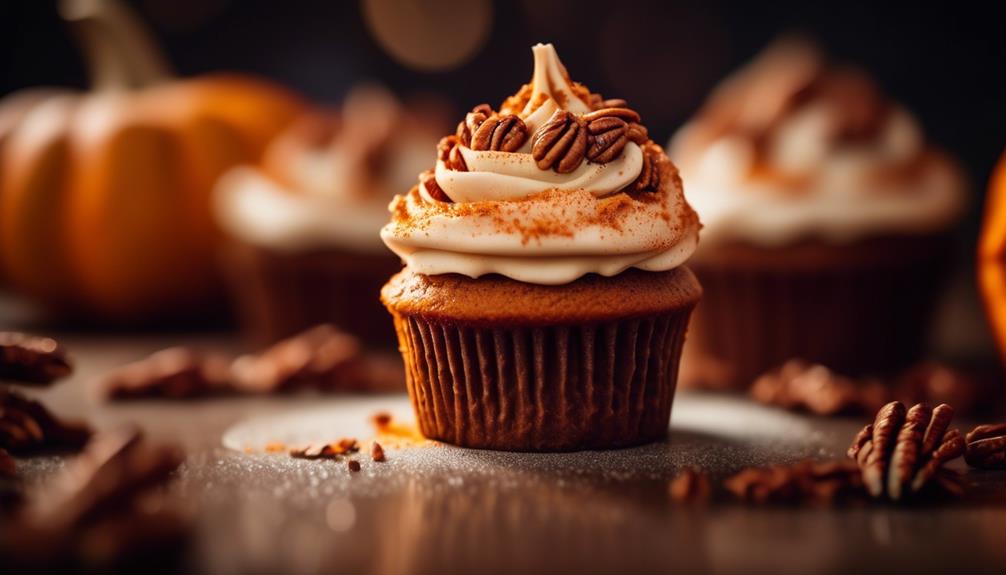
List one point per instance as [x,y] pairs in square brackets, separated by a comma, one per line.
[353,465]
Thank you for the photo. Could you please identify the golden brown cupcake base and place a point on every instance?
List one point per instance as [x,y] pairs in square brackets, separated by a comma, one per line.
[499,364]
[860,309]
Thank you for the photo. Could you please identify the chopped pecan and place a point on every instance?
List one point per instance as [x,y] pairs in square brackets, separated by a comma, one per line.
[377,452]
[637,133]
[901,451]
[322,358]
[27,427]
[105,509]
[613,103]
[353,465]
[333,450]
[803,482]
[499,133]
[561,143]
[986,446]
[798,384]
[607,139]
[428,180]
[449,153]
[32,359]
[175,373]
[690,486]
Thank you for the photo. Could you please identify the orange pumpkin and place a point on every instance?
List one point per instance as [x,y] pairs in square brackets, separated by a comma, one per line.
[992,255]
[104,195]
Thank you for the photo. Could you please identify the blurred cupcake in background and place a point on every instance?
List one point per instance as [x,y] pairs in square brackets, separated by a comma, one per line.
[827,218]
[304,224]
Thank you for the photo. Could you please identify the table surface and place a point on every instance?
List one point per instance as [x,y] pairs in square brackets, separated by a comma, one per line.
[436,509]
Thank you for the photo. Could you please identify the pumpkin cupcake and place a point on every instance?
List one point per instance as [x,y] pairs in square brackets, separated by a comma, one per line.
[304,224]
[828,221]
[544,301]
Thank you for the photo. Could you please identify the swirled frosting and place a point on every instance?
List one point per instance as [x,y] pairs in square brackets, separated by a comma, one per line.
[790,148]
[504,213]
[326,182]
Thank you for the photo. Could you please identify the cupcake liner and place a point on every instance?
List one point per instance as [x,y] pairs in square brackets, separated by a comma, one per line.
[278,295]
[549,388]
[857,318]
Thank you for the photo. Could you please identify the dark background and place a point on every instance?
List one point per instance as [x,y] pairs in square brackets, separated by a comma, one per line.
[944,61]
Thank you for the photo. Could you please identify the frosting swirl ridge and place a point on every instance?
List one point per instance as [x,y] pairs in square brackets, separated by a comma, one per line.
[490,211]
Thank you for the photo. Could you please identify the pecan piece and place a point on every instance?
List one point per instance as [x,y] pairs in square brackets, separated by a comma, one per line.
[690,486]
[377,452]
[26,426]
[500,133]
[449,152]
[32,359]
[106,510]
[607,139]
[986,446]
[175,373]
[900,452]
[561,143]
[334,450]
[803,482]
[428,180]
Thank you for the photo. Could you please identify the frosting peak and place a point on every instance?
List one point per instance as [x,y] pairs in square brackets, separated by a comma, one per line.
[556,184]
[551,82]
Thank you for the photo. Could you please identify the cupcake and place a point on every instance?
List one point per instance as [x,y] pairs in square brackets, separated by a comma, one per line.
[544,300]
[304,224]
[828,222]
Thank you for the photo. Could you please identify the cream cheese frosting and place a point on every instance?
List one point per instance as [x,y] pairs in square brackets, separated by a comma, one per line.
[511,217]
[328,194]
[789,149]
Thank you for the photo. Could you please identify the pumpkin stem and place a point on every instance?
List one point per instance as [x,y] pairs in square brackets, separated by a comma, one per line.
[119,50]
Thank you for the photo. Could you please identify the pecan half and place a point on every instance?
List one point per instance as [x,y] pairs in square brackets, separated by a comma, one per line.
[690,486]
[649,174]
[628,115]
[26,426]
[32,359]
[986,446]
[561,143]
[428,180]
[607,139]
[901,451]
[810,482]
[175,373]
[449,153]
[500,133]
[471,123]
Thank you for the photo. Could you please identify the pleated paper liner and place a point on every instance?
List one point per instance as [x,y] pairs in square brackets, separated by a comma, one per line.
[865,313]
[546,388]
[280,294]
